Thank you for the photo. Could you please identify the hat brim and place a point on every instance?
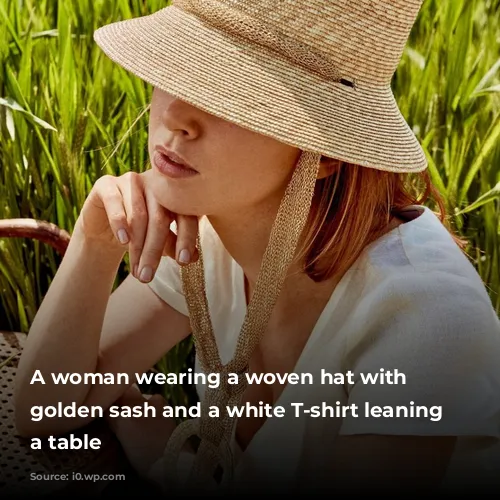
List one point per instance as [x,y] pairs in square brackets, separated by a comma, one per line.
[256,89]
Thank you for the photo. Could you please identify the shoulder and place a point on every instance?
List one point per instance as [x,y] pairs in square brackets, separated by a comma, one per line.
[422,245]
[415,283]
[419,264]
[421,310]
[434,322]
[435,302]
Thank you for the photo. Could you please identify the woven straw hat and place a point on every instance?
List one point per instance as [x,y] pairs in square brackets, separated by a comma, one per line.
[315,75]
[283,68]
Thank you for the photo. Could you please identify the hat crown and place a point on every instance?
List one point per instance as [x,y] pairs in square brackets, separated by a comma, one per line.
[362,40]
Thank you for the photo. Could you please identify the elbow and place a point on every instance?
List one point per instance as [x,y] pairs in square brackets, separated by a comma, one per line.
[25,430]
[26,427]
[23,424]
[29,424]
[43,429]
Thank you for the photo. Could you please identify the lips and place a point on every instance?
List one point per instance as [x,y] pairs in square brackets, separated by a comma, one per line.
[171,169]
[174,157]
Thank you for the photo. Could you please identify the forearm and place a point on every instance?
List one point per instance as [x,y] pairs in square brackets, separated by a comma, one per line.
[64,336]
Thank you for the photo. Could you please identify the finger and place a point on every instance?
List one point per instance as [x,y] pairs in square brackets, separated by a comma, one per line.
[111,199]
[171,239]
[159,220]
[132,191]
[187,232]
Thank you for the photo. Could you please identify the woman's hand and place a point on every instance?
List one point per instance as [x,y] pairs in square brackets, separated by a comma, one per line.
[121,212]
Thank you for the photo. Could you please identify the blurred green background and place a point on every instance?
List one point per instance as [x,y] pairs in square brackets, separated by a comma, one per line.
[69,115]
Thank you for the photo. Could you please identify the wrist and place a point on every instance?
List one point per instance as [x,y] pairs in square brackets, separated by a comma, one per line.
[111,251]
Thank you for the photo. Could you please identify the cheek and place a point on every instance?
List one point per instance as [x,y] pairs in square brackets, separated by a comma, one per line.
[256,165]
[153,128]
[260,183]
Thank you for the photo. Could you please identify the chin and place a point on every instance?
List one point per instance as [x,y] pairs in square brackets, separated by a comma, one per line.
[175,199]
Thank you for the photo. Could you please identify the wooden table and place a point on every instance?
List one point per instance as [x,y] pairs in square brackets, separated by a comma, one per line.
[19,463]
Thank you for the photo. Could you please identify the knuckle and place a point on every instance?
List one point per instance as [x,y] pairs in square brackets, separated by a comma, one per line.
[117,218]
[128,175]
[106,181]
[98,186]
[129,179]
[106,178]
[151,254]
[158,217]
[135,179]
[110,192]
[138,215]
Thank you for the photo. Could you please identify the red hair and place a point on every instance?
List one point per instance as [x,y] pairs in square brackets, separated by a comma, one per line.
[351,208]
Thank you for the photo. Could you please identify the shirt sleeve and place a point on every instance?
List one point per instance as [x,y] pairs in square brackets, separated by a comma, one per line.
[167,284]
[441,332]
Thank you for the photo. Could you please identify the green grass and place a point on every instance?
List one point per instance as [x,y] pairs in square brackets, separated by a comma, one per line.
[69,115]
[79,121]
[448,87]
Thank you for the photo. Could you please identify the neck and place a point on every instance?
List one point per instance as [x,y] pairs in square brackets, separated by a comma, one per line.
[246,236]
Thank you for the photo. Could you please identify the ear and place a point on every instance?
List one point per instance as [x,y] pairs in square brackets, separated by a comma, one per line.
[327,167]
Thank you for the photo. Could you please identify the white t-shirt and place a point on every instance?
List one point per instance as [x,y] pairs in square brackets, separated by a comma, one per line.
[412,302]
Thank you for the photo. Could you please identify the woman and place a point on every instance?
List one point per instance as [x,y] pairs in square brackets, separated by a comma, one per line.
[274,135]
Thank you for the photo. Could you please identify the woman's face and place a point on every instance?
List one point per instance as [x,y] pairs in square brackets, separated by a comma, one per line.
[237,169]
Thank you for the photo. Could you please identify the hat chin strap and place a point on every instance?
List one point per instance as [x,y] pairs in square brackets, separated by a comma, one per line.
[215,433]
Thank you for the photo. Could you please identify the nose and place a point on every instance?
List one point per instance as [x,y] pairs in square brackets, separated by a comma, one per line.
[182,118]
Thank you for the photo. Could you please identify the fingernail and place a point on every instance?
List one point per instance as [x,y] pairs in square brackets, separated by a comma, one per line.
[184,256]
[146,274]
[122,236]
[135,271]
